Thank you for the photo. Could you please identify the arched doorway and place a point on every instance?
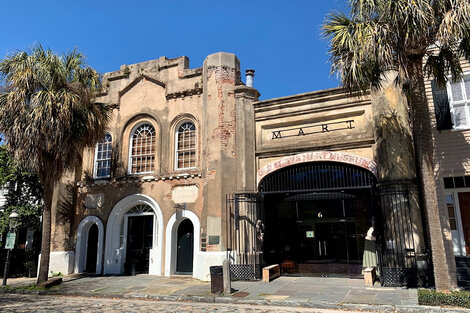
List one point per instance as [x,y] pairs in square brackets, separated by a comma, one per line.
[134,237]
[90,237]
[316,218]
[138,230]
[185,247]
[92,249]
[171,243]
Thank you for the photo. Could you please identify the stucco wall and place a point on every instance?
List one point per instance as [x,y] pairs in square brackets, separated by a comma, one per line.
[164,92]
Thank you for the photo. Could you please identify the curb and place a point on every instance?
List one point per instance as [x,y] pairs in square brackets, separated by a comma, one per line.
[228,300]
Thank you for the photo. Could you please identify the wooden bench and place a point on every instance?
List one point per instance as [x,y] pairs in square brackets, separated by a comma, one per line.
[271,272]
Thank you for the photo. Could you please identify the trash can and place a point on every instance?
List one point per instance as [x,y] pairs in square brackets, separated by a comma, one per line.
[217,279]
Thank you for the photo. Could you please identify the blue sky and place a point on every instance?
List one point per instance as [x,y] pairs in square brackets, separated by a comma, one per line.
[281,40]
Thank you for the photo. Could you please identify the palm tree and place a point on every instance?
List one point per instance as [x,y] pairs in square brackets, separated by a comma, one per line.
[47,116]
[414,39]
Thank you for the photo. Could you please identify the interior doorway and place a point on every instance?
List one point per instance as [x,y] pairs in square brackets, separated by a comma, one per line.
[139,243]
[92,249]
[185,248]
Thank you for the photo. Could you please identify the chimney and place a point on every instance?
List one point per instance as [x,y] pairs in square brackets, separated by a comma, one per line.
[250,73]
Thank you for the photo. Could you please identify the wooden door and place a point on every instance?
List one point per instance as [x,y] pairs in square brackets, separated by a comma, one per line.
[184,257]
[139,243]
[464,203]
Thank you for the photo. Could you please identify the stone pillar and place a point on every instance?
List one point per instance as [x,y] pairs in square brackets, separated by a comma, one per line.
[245,138]
[221,73]
[396,167]
[394,152]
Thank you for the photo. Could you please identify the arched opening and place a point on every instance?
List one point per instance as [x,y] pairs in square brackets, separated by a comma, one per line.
[185,247]
[139,222]
[180,223]
[92,249]
[89,249]
[319,219]
[134,237]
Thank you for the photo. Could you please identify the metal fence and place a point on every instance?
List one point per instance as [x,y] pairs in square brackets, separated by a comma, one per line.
[244,231]
[396,245]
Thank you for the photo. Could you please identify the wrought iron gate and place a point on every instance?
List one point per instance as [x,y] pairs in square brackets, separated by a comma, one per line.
[396,245]
[244,235]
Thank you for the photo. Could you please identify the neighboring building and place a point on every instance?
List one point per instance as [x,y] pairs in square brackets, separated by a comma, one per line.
[450,116]
[194,169]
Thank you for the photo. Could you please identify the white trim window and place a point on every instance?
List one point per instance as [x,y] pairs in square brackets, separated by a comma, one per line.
[142,150]
[459,100]
[103,154]
[185,146]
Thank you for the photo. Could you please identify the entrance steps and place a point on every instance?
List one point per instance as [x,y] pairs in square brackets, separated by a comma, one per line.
[463,272]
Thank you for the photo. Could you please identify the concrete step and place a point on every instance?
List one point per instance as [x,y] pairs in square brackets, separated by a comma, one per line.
[463,270]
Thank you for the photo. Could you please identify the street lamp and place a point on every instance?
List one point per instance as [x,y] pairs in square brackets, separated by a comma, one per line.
[11,237]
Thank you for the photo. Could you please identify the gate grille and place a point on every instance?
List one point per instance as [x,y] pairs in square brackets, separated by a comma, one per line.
[243,211]
[397,246]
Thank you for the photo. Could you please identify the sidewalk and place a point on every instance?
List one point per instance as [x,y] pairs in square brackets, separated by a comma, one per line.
[316,292]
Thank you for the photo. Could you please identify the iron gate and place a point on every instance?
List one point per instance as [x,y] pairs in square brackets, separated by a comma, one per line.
[244,235]
[396,245]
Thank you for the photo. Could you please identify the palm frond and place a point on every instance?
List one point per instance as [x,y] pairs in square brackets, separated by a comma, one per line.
[382,35]
[48,114]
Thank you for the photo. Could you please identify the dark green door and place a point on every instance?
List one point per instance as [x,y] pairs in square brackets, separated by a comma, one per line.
[139,243]
[184,257]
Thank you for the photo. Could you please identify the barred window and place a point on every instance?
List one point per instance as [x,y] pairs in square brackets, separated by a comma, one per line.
[103,157]
[142,156]
[185,147]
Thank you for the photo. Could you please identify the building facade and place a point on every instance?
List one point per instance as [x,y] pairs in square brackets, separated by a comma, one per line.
[195,169]
[450,117]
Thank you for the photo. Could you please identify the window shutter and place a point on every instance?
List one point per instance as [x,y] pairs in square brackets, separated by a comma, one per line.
[441,107]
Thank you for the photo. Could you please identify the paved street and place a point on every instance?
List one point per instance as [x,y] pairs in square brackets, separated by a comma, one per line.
[51,304]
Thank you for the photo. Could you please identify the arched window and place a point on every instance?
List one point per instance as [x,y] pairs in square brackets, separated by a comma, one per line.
[185,146]
[103,154]
[142,150]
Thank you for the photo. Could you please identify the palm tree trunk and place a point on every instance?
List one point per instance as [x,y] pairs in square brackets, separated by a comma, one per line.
[442,255]
[46,231]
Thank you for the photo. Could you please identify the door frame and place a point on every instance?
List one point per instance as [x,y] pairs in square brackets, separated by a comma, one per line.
[126,230]
[177,243]
[114,254]
[171,241]
[81,248]
[461,251]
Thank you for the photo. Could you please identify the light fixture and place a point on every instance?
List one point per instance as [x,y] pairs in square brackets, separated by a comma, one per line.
[14,217]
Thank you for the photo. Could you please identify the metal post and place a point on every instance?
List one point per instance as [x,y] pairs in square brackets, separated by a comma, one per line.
[13,223]
[7,267]
[227,278]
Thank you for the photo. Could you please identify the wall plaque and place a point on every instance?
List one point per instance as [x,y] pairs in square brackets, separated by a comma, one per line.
[94,201]
[185,194]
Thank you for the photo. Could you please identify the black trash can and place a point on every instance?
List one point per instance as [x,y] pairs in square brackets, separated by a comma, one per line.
[217,279]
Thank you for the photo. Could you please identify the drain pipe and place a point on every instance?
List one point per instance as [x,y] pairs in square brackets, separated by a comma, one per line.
[250,73]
